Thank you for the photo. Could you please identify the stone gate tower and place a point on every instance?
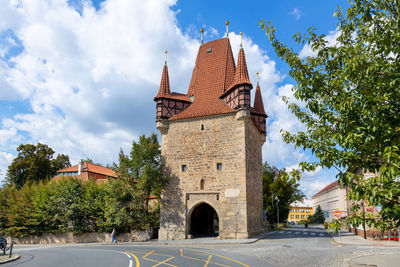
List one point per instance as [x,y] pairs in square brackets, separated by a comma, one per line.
[211,140]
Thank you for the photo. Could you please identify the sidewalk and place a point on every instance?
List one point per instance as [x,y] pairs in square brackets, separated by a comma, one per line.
[347,238]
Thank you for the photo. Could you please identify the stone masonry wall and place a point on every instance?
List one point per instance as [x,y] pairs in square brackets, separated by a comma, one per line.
[200,144]
[254,142]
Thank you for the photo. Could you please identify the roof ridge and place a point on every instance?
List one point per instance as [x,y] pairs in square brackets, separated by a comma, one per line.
[329,186]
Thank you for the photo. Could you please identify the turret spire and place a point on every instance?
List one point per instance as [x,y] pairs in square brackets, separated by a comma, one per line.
[164,84]
[227,28]
[241,73]
[258,102]
[201,31]
[241,40]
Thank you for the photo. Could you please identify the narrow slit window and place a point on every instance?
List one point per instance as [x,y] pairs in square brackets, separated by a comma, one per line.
[219,166]
[202,127]
[184,168]
[202,184]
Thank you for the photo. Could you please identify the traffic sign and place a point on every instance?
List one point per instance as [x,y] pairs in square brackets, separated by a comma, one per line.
[337,213]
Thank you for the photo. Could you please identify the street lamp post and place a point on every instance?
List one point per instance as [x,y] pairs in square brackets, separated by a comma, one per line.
[277,206]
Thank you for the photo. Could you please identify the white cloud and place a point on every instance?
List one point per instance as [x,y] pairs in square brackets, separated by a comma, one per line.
[5,160]
[296,12]
[90,78]
[306,51]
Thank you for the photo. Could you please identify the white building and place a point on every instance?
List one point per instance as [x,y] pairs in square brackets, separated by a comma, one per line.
[331,198]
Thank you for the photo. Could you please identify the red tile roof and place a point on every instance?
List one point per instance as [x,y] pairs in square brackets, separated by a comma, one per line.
[164,84]
[212,75]
[258,102]
[241,73]
[326,188]
[90,167]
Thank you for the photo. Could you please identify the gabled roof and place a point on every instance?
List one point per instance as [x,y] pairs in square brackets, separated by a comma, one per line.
[212,75]
[327,188]
[258,102]
[90,167]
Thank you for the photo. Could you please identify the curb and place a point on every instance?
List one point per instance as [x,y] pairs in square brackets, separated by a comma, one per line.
[11,259]
[172,242]
[362,245]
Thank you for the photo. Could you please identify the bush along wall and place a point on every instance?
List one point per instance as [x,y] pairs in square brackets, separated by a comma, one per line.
[72,205]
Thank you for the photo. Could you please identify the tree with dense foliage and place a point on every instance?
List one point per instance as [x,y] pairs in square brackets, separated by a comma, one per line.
[277,185]
[34,164]
[351,95]
[143,168]
[318,216]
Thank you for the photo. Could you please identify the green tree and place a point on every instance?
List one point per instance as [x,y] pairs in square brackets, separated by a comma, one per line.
[34,164]
[143,168]
[277,185]
[351,95]
[318,216]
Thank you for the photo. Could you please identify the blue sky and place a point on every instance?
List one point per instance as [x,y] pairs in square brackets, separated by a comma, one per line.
[80,76]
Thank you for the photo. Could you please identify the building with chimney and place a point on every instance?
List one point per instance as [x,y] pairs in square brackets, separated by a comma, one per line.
[211,141]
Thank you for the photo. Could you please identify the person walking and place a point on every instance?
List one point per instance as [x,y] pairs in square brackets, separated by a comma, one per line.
[113,236]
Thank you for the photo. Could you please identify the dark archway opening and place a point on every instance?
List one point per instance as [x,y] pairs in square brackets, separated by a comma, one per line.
[204,221]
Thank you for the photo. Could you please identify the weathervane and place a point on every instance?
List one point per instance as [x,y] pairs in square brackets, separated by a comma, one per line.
[166,52]
[241,40]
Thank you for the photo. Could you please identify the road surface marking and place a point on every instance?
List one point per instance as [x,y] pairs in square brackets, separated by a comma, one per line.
[208,261]
[164,262]
[196,259]
[130,263]
[241,263]
[148,254]
[296,233]
[281,232]
[312,233]
[136,259]
[289,232]
[305,233]
[321,234]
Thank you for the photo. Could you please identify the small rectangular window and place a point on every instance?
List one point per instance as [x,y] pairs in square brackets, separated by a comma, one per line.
[184,168]
[219,166]
[302,216]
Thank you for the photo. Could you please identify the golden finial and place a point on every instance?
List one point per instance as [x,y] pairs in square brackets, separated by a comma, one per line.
[257,78]
[241,39]
[201,30]
[166,52]
[227,28]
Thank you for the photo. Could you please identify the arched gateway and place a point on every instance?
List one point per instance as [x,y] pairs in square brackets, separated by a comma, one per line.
[204,221]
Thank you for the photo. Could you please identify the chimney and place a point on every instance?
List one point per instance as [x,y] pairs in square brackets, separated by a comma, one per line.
[79,168]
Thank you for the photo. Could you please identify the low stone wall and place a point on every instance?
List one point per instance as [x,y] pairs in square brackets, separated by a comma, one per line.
[133,236]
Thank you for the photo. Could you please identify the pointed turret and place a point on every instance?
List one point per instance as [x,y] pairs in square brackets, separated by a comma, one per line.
[238,93]
[164,85]
[241,73]
[258,102]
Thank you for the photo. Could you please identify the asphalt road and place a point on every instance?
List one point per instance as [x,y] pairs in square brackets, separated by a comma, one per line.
[293,246]
[129,256]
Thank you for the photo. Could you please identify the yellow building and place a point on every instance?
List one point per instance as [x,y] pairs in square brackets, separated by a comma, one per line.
[300,211]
